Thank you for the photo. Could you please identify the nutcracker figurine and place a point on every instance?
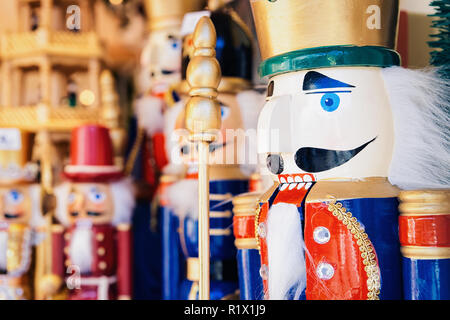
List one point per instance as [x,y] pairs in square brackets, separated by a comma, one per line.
[21,221]
[92,248]
[229,171]
[161,68]
[343,130]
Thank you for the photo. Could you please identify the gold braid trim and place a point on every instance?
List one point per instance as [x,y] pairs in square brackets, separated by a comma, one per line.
[364,244]
[258,239]
[134,151]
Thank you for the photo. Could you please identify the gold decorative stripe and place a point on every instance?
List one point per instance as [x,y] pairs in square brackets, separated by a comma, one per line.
[426,196]
[424,213]
[219,232]
[408,208]
[220,214]
[193,269]
[92,169]
[425,253]
[364,244]
[124,227]
[375,187]
[245,205]
[246,243]
[220,197]
[57,228]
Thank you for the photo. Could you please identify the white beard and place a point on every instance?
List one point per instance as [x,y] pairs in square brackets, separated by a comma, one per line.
[3,249]
[80,249]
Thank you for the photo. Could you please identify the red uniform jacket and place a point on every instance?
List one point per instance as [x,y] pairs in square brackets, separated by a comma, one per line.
[111,261]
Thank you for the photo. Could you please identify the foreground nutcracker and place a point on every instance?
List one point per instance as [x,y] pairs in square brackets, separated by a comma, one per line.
[21,220]
[228,176]
[92,248]
[343,129]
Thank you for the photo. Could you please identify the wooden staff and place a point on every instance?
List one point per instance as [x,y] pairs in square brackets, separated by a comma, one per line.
[203,120]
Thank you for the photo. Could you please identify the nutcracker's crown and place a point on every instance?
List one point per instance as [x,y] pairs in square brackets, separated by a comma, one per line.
[307,34]
[169,13]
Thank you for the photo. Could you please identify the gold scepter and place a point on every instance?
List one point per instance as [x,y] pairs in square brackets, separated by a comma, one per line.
[203,120]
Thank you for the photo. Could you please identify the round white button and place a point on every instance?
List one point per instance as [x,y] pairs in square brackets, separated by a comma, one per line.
[262,230]
[325,271]
[264,272]
[321,235]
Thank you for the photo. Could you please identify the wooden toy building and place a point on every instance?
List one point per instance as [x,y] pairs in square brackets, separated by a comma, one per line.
[51,73]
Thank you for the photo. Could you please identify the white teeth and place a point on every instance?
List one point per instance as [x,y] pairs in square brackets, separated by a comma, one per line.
[307,178]
[283,187]
[292,186]
[298,179]
[282,180]
[290,180]
[308,185]
[300,185]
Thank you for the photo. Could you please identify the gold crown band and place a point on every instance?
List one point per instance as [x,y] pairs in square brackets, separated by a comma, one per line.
[284,25]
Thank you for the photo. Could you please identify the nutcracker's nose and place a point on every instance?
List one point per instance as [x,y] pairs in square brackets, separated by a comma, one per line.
[275,163]
[275,126]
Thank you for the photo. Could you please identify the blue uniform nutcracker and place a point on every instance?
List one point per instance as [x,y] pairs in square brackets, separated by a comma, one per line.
[343,131]
[229,171]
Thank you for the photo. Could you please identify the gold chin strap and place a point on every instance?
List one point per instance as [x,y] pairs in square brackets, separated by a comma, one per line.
[203,120]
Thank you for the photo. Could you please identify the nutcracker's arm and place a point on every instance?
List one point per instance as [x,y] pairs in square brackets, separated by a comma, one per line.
[249,263]
[58,267]
[159,150]
[425,244]
[124,258]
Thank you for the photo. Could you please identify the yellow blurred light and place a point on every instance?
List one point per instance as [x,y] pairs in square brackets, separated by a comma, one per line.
[87,97]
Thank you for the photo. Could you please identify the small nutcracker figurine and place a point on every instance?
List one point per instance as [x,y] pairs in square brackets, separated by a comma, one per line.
[21,220]
[343,130]
[161,69]
[239,106]
[92,247]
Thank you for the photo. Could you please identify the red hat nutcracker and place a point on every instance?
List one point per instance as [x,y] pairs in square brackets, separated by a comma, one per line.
[92,252]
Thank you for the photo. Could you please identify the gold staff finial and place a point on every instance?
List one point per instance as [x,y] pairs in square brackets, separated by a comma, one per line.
[203,120]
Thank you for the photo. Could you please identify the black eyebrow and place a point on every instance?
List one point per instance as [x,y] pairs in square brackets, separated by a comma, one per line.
[316,80]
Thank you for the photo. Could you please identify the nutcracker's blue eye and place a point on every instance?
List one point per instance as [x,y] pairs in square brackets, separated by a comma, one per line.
[330,102]
[174,45]
[15,197]
[96,196]
[225,112]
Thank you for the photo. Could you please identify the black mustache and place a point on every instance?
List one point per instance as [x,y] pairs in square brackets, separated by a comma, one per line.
[11,216]
[318,160]
[164,71]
